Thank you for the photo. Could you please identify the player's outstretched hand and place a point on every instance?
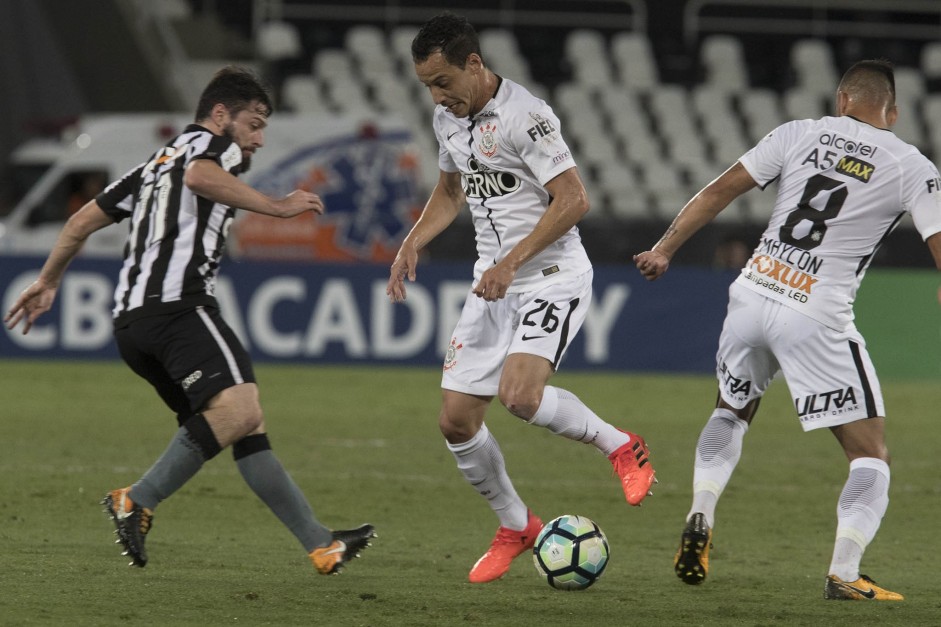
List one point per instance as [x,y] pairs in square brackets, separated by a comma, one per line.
[34,301]
[403,267]
[652,264]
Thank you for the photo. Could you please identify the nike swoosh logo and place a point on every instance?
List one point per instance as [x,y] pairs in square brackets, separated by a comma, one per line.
[450,135]
[533,337]
[869,594]
[339,549]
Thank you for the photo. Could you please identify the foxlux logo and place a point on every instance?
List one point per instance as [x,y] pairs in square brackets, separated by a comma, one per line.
[482,182]
[774,269]
[191,379]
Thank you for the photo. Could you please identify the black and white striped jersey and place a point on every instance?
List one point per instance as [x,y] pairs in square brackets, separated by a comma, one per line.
[176,238]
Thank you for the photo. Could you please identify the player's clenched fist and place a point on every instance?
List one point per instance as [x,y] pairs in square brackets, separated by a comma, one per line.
[304,201]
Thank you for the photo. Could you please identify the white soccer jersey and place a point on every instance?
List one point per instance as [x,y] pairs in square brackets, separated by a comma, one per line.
[506,154]
[843,186]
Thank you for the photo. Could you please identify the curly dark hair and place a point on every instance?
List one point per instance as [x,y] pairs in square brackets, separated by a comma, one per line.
[450,34]
[236,88]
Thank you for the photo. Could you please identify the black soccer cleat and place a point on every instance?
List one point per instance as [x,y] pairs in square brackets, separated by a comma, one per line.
[132,523]
[691,562]
[347,544]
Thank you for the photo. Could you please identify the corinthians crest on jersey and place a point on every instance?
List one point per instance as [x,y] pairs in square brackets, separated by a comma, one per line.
[488,140]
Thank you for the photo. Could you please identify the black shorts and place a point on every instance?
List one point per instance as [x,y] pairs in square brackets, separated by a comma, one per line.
[188,356]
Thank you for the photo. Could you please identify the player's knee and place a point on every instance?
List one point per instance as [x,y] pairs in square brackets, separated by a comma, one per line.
[252,419]
[521,402]
[456,431]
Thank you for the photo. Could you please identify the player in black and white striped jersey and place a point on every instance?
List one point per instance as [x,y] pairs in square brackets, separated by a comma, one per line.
[181,202]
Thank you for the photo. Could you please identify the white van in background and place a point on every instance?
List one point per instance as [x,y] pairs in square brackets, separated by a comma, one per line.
[368,174]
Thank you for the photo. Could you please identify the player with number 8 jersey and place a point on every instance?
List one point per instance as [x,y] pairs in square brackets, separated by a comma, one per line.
[844,183]
[839,191]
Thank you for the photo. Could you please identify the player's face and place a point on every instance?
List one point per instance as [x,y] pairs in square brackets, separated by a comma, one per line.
[247,129]
[460,90]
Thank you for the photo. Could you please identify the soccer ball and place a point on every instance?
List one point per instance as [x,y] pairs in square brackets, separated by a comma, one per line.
[571,552]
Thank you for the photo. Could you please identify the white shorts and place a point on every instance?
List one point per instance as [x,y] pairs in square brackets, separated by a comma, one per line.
[542,322]
[829,373]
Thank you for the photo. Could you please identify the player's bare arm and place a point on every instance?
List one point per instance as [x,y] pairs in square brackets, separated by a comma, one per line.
[36,299]
[934,245]
[208,179]
[444,205]
[697,213]
[569,204]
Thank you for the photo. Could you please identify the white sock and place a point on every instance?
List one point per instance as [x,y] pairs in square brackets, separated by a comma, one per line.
[562,413]
[717,453]
[481,462]
[859,512]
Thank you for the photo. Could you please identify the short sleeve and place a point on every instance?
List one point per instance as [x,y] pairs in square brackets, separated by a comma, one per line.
[921,194]
[537,137]
[765,160]
[223,151]
[117,200]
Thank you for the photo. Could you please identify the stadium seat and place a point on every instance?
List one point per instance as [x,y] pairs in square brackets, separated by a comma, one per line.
[801,104]
[332,63]
[931,109]
[595,144]
[571,99]
[723,61]
[366,45]
[910,91]
[587,53]
[350,97]
[625,194]
[668,105]
[401,46]
[635,61]
[392,94]
[931,64]
[501,53]
[627,119]
[687,150]
[278,41]
[761,111]
[720,122]
[662,179]
[302,93]
[813,66]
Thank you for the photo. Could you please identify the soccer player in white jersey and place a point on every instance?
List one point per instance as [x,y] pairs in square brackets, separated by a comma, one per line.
[502,154]
[844,183]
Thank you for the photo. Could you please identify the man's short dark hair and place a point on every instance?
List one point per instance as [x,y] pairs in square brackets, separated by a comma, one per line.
[450,34]
[872,80]
[236,88]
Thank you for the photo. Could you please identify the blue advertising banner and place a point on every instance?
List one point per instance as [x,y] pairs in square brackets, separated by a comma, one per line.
[323,313]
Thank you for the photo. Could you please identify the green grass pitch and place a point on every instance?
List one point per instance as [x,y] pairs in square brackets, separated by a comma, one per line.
[363,444]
